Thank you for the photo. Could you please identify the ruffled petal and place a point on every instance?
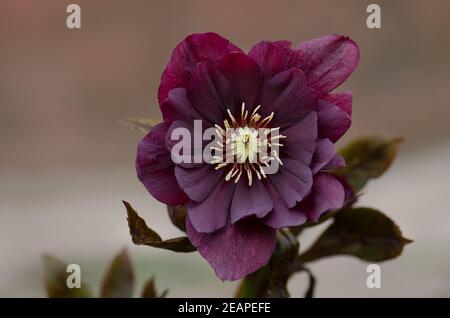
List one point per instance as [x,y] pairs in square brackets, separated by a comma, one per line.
[323,154]
[271,58]
[155,168]
[212,213]
[250,200]
[301,139]
[335,163]
[350,195]
[236,250]
[343,100]
[198,183]
[293,181]
[282,216]
[194,49]
[288,97]
[210,92]
[327,193]
[244,75]
[333,121]
[294,57]
[327,61]
[177,107]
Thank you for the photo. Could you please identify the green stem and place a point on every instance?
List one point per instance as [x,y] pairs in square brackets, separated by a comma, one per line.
[254,285]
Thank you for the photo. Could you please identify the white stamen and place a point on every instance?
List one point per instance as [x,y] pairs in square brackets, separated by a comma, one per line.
[278,137]
[266,120]
[249,175]
[246,143]
[238,176]
[233,120]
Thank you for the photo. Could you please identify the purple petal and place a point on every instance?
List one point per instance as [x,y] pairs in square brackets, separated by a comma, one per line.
[213,213]
[301,139]
[343,100]
[333,121]
[236,250]
[271,58]
[293,181]
[327,193]
[328,61]
[194,49]
[350,195]
[155,168]
[210,93]
[323,154]
[250,200]
[244,75]
[282,216]
[335,163]
[198,183]
[177,107]
[294,57]
[287,95]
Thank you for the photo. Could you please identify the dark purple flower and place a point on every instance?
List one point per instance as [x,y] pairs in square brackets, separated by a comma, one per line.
[234,210]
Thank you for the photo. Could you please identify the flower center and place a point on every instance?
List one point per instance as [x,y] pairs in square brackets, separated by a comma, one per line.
[246,145]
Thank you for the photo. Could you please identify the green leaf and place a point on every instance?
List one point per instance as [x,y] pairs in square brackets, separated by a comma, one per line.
[141,234]
[362,232]
[177,215]
[55,278]
[367,158]
[141,125]
[150,290]
[118,281]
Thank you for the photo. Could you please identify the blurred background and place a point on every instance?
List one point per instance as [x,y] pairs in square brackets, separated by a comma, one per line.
[66,162]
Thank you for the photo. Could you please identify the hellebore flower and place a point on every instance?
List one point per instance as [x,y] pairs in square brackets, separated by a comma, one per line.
[235,209]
